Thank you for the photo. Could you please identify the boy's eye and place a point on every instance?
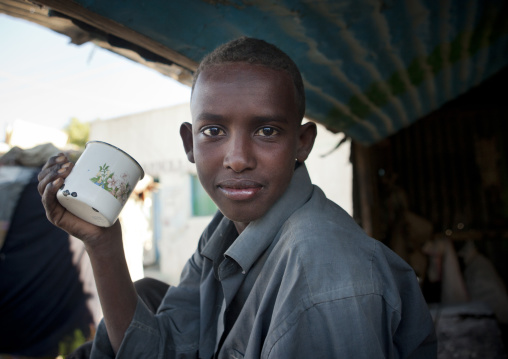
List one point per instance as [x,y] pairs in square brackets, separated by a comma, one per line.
[266,132]
[213,131]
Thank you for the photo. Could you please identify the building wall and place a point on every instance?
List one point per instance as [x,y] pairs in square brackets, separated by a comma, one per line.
[153,139]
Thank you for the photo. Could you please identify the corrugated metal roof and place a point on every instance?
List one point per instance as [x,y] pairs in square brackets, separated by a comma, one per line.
[371,67]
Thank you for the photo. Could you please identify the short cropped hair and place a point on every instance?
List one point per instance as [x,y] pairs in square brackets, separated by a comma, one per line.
[257,52]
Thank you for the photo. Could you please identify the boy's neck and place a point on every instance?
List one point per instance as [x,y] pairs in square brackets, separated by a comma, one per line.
[240,226]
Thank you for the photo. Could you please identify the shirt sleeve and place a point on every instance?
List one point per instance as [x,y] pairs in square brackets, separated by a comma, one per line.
[342,328]
[172,332]
[355,327]
[380,314]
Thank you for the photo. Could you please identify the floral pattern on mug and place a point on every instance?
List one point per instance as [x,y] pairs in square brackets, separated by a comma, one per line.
[116,185]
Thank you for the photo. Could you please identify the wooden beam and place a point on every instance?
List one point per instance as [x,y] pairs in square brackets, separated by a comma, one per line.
[39,15]
[109,26]
[365,184]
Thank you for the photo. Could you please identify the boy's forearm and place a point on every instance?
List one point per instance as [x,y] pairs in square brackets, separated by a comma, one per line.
[117,294]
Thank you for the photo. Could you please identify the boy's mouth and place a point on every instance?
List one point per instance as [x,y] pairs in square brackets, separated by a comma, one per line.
[239,190]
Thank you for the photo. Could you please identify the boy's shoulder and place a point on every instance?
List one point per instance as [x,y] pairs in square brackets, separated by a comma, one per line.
[321,220]
[321,237]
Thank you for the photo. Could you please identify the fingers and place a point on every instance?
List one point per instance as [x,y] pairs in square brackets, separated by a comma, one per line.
[58,159]
[54,171]
[54,211]
[51,178]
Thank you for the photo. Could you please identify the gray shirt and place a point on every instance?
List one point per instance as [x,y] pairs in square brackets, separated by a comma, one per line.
[303,281]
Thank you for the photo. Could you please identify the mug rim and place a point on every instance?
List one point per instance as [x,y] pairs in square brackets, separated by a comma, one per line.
[125,153]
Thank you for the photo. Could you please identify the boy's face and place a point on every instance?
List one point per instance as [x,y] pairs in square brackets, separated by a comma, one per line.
[245,137]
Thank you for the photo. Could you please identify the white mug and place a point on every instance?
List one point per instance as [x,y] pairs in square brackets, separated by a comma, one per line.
[100,183]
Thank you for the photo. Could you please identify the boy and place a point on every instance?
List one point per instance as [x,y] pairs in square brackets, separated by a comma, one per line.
[280,272]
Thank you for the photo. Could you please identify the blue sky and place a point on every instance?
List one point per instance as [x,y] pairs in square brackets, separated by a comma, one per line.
[47,80]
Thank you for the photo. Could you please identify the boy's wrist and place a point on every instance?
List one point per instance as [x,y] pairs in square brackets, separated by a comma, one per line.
[103,241]
[104,246]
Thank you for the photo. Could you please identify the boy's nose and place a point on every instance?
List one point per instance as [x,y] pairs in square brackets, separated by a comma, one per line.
[239,155]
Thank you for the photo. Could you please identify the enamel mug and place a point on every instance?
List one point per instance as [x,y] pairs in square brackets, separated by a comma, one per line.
[100,183]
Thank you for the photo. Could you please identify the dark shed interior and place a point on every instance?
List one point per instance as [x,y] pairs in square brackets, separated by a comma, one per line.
[443,180]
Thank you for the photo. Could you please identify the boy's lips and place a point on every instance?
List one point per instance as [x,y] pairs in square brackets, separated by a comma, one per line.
[239,189]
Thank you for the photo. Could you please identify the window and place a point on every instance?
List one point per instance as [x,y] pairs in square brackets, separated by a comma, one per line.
[202,204]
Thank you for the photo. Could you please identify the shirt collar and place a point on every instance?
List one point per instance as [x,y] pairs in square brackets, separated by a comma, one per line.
[259,234]
[221,238]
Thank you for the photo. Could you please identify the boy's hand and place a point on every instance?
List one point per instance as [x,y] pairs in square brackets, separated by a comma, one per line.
[51,178]
[104,247]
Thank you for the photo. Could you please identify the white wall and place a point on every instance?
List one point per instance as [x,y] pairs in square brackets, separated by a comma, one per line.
[330,169]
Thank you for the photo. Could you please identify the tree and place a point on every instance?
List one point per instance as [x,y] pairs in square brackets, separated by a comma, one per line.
[78,132]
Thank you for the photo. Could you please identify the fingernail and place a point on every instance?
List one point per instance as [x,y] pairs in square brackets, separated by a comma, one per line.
[66,165]
[62,170]
[60,159]
[56,182]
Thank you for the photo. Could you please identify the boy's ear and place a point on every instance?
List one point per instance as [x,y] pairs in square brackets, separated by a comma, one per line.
[308,133]
[186,134]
